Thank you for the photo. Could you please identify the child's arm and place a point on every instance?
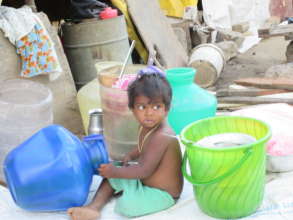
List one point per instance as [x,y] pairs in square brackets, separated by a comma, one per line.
[148,162]
[132,155]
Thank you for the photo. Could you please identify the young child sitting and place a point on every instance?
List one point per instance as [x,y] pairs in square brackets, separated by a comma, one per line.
[155,182]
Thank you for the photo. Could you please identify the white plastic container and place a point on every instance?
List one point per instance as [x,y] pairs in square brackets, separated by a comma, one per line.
[88,97]
[120,125]
[25,108]
[209,62]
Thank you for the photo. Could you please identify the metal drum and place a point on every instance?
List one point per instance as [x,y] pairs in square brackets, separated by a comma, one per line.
[93,41]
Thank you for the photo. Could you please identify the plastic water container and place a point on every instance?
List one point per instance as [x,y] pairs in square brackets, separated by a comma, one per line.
[25,108]
[120,126]
[88,97]
[189,102]
[53,169]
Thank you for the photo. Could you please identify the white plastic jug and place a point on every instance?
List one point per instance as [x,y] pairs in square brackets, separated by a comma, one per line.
[88,97]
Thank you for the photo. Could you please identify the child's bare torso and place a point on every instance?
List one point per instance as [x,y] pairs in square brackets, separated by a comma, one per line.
[167,175]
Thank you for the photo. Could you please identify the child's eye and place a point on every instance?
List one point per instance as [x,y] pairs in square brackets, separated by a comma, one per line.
[140,107]
[156,107]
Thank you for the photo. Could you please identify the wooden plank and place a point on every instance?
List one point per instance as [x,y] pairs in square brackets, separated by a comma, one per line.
[267,83]
[264,32]
[182,26]
[279,30]
[229,106]
[157,33]
[248,92]
[254,100]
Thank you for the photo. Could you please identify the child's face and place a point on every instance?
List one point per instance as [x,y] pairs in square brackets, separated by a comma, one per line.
[149,112]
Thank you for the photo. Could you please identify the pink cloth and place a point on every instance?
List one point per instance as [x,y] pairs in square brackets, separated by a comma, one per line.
[124,81]
[280,145]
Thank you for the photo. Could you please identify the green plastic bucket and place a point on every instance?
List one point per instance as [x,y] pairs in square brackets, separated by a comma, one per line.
[227,182]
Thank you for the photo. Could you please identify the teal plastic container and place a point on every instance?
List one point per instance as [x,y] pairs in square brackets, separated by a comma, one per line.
[190,102]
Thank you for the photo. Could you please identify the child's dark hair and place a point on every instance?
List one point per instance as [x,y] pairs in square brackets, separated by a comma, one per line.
[153,85]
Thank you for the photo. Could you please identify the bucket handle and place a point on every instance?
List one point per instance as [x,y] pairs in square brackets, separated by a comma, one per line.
[218,179]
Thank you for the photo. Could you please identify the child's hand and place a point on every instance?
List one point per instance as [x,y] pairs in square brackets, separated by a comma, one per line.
[125,160]
[107,170]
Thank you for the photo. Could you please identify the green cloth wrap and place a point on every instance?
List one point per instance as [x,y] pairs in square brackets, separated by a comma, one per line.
[138,199]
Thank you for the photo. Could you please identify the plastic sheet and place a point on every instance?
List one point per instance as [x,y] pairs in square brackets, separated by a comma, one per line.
[280,118]
[226,13]
[277,205]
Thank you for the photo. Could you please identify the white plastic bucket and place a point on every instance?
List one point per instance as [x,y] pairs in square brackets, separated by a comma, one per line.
[209,61]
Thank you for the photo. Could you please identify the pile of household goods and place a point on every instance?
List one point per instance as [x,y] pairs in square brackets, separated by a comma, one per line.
[121,134]
[226,155]
[59,149]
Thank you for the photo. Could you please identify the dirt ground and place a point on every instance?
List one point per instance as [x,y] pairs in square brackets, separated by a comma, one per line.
[255,61]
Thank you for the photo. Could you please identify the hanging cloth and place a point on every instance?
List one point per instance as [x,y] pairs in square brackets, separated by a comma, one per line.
[16,23]
[27,32]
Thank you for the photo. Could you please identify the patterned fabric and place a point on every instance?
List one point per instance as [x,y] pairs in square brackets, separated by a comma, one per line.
[37,53]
